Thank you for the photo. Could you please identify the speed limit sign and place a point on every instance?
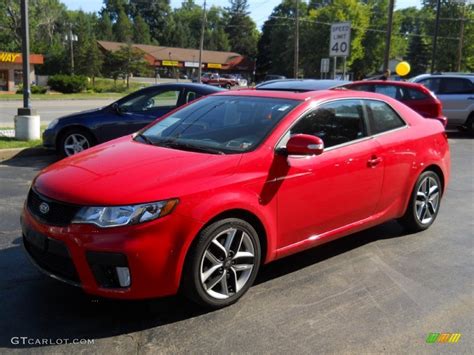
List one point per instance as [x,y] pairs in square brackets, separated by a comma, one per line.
[340,42]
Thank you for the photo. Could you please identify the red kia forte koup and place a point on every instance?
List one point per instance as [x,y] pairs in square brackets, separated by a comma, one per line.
[197,201]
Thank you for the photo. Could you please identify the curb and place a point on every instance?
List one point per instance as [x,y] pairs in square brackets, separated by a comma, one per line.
[6,154]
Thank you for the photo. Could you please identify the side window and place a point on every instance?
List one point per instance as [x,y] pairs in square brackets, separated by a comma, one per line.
[456,86]
[191,96]
[148,101]
[382,117]
[389,90]
[362,87]
[335,122]
[431,84]
[164,99]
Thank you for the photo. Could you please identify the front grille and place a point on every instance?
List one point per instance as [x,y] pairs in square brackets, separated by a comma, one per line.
[57,213]
[51,255]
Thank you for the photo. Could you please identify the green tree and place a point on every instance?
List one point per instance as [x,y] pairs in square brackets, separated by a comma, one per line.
[155,13]
[215,37]
[241,29]
[104,27]
[124,62]
[418,54]
[276,46]
[141,31]
[123,27]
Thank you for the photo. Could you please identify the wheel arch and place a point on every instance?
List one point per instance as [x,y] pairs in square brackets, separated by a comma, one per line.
[68,128]
[436,169]
[244,215]
[432,167]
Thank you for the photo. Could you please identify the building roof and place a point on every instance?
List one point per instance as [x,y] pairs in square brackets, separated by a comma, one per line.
[178,54]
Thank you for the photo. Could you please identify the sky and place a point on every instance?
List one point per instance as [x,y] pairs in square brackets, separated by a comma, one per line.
[259,9]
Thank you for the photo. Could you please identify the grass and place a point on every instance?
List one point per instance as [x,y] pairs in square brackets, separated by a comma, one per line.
[106,89]
[8,143]
[80,96]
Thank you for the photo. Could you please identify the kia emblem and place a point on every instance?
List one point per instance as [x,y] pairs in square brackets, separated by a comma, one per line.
[44,208]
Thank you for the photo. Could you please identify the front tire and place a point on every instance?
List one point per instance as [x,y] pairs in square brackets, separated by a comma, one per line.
[74,141]
[424,203]
[222,264]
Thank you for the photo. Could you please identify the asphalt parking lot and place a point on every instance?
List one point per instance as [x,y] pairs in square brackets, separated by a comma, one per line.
[375,291]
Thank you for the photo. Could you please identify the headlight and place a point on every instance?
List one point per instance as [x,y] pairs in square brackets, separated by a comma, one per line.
[116,216]
[53,123]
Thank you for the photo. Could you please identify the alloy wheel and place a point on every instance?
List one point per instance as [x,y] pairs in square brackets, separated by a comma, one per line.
[75,143]
[427,200]
[227,263]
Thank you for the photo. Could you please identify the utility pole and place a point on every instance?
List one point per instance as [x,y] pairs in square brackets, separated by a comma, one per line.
[435,38]
[297,38]
[27,122]
[25,53]
[461,38]
[71,45]
[201,43]
[388,38]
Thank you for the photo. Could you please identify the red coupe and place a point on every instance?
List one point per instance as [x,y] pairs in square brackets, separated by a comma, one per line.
[198,200]
[416,96]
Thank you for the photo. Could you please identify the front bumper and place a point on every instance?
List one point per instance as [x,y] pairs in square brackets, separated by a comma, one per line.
[49,139]
[154,253]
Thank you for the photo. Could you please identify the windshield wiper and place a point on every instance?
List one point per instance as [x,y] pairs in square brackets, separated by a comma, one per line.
[190,147]
[145,138]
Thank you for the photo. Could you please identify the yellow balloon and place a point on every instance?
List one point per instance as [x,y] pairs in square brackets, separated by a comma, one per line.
[402,68]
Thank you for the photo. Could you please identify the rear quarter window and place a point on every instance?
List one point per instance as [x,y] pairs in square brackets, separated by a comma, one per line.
[456,86]
[413,94]
[382,117]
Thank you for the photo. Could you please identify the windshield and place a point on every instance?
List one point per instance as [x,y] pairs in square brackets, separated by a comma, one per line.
[220,124]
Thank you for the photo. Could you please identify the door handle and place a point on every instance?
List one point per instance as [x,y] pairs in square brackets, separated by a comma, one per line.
[374,161]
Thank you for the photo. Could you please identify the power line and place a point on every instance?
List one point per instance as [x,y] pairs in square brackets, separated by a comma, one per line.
[369,29]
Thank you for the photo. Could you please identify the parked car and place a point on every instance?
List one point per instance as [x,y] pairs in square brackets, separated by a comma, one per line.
[456,92]
[415,96]
[215,79]
[300,85]
[200,199]
[72,134]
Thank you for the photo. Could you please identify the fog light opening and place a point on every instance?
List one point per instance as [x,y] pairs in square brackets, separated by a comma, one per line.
[123,275]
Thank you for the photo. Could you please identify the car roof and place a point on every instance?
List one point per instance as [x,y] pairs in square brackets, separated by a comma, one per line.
[307,95]
[300,85]
[443,75]
[405,84]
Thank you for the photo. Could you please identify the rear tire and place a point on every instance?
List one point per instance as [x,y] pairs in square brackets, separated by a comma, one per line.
[222,264]
[424,203]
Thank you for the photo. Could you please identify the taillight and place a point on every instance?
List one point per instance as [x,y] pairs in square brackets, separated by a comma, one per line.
[439,108]
[443,120]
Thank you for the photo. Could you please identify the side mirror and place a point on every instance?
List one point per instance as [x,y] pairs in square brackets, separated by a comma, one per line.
[117,108]
[304,144]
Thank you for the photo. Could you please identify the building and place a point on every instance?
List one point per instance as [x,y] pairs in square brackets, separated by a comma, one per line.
[171,61]
[11,69]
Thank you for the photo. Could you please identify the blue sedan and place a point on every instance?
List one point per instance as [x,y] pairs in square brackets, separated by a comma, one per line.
[74,133]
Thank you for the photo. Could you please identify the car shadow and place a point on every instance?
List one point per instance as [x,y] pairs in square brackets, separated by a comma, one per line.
[455,134]
[38,307]
[37,162]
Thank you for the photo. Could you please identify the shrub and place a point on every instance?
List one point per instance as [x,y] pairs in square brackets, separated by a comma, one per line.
[68,83]
[35,89]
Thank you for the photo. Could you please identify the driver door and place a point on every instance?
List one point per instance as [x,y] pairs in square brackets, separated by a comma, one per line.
[139,110]
[318,194]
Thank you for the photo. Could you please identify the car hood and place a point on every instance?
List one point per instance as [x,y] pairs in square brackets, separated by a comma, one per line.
[81,114]
[124,172]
